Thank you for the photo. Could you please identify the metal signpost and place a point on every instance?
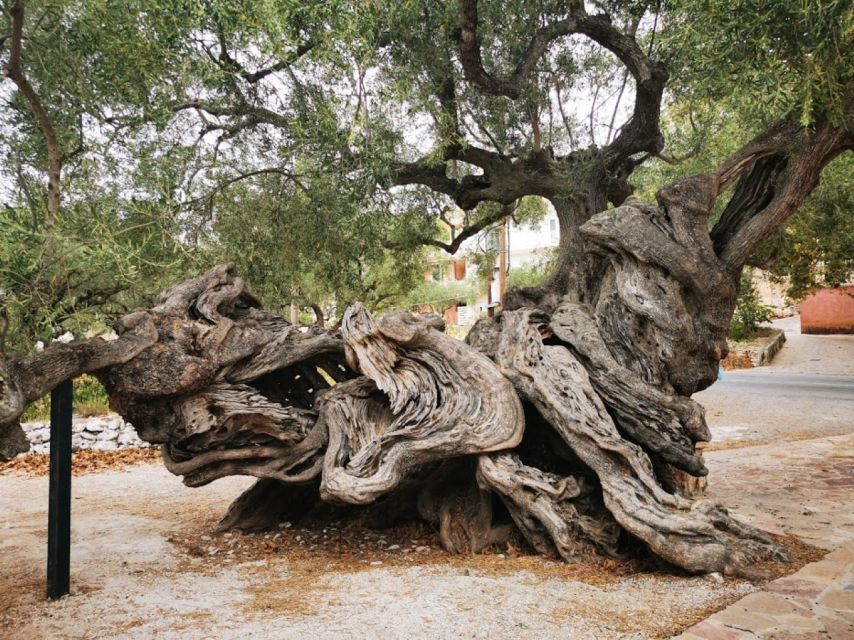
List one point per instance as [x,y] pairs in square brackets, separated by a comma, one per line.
[59,500]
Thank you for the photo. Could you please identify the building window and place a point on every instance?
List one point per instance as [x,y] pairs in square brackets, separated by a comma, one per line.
[459,269]
[463,314]
[553,232]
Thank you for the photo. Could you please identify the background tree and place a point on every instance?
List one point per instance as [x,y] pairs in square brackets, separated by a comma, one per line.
[90,223]
[121,176]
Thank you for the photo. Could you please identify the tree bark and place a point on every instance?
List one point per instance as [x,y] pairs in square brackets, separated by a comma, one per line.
[424,397]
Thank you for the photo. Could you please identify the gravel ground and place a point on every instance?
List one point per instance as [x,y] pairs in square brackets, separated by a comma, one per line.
[130,581]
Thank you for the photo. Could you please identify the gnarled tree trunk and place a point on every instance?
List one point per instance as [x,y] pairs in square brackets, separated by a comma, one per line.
[571,409]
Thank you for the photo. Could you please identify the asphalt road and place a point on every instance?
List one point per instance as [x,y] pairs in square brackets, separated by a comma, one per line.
[808,389]
[787,386]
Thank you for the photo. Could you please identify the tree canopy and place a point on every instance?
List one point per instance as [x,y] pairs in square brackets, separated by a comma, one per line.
[319,144]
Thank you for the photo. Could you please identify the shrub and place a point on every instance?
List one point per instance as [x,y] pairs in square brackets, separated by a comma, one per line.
[90,399]
[750,313]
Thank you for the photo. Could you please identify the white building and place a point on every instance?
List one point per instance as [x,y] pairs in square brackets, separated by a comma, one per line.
[526,246]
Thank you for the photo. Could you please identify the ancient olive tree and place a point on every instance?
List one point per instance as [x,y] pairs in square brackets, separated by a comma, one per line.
[568,417]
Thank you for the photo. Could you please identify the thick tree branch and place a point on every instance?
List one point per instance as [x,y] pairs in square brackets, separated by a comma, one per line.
[640,133]
[14,70]
[504,179]
[774,172]
[471,230]
[773,190]
[472,62]
[428,174]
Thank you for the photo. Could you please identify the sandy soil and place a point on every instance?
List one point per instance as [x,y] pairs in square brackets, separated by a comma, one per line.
[130,581]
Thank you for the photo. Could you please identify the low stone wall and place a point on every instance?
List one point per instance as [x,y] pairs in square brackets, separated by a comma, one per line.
[102,433]
[758,353]
[761,355]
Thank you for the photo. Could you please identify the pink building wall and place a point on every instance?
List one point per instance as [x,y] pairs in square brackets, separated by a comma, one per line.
[828,311]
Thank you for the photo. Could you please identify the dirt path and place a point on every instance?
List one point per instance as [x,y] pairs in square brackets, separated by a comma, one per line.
[128,581]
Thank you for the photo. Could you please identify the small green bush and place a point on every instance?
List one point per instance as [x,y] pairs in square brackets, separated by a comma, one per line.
[90,399]
[750,313]
[526,276]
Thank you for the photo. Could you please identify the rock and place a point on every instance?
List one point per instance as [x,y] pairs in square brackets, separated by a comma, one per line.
[93,426]
[38,436]
[108,435]
[65,338]
[105,445]
[128,438]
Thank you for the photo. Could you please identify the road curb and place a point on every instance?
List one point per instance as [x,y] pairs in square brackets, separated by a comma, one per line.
[763,354]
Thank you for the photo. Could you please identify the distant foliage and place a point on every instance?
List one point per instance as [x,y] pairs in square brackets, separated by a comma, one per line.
[750,313]
[110,256]
[440,296]
[525,276]
[816,248]
[534,274]
[777,55]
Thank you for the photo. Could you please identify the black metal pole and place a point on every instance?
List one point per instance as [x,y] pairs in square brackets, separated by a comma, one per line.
[59,501]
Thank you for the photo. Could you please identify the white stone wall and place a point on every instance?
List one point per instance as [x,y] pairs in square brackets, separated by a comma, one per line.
[102,433]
